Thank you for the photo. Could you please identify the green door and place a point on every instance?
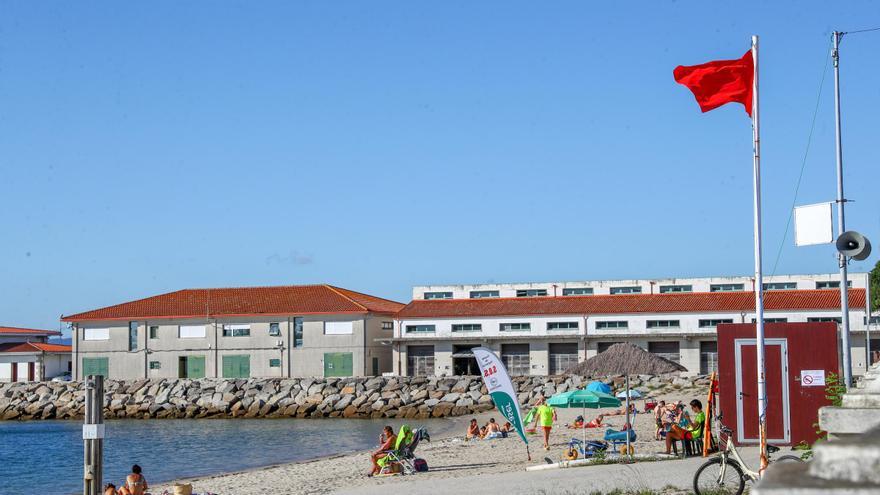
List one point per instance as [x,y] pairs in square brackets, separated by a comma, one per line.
[236,366]
[95,366]
[195,366]
[338,364]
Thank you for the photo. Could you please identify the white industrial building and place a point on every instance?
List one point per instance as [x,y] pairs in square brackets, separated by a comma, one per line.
[543,328]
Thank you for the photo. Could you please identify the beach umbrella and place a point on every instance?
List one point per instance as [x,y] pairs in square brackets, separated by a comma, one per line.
[633,394]
[625,359]
[584,399]
[599,387]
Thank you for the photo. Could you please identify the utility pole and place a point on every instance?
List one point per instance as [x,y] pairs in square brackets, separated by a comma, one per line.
[93,436]
[841,221]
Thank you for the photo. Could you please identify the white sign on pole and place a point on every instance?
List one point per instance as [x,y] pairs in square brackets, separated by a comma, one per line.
[93,431]
[812,378]
[812,224]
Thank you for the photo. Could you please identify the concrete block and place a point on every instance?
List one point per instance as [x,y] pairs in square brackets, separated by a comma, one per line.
[846,420]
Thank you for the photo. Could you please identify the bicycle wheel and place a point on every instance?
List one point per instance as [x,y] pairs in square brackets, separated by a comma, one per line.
[709,478]
[788,458]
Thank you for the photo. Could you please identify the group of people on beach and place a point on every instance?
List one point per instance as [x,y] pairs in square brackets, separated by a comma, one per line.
[134,484]
[674,423]
[490,430]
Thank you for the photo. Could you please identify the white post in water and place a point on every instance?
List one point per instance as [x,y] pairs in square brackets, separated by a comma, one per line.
[759,278]
[841,221]
[93,436]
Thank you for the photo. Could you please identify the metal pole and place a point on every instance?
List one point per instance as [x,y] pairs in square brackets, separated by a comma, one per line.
[868,320]
[759,278]
[627,416]
[841,221]
[93,434]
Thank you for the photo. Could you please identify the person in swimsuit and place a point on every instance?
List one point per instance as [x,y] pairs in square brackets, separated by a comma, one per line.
[658,418]
[110,489]
[390,440]
[473,430]
[135,483]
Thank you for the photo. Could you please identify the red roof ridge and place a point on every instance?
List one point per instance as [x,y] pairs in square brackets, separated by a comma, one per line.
[337,291]
[29,330]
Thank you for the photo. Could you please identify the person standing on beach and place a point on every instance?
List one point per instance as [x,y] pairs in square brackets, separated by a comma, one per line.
[545,415]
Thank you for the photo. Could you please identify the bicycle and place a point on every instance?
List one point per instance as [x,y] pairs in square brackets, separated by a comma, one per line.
[727,472]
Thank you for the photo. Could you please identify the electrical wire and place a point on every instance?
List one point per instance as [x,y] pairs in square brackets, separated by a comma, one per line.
[861,31]
[803,162]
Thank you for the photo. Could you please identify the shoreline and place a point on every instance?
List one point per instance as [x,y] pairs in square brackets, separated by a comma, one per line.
[451,459]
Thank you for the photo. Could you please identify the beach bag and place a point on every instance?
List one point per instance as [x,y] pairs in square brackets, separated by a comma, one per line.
[183,489]
[420,465]
[596,446]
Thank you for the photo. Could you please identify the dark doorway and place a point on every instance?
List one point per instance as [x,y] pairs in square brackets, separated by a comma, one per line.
[463,361]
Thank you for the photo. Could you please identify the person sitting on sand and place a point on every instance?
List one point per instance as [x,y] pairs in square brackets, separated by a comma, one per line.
[579,422]
[483,432]
[492,426]
[693,429]
[507,428]
[658,418]
[110,489]
[135,483]
[473,430]
[390,440]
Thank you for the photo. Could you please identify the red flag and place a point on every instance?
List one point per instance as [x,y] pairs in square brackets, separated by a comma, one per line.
[719,82]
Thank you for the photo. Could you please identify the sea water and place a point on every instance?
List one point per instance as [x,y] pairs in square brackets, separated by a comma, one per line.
[46,457]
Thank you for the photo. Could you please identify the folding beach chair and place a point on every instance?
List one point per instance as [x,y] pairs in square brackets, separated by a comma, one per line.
[403,454]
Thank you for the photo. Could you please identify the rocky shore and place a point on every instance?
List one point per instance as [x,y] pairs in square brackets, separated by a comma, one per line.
[363,397]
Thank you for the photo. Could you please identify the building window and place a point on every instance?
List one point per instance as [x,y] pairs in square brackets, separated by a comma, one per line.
[338,327]
[191,331]
[577,291]
[708,357]
[714,323]
[96,334]
[515,358]
[611,324]
[387,325]
[780,286]
[531,292]
[626,290]
[154,332]
[275,329]
[515,327]
[132,336]
[832,284]
[726,287]
[438,295]
[483,294]
[562,357]
[663,324]
[154,365]
[563,325]
[236,330]
[667,289]
[771,320]
[421,328]
[275,363]
[668,350]
[419,360]
[874,320]
[297,332]
[467,327]
[816,319]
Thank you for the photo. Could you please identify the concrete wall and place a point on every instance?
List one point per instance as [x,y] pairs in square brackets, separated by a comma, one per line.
[168,346]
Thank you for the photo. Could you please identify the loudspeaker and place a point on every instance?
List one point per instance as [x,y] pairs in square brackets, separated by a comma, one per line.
[854,245]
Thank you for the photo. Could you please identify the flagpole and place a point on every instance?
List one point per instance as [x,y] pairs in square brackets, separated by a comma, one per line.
[759,278]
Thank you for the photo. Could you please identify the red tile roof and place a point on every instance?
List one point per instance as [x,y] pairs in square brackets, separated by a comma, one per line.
[33,346]
[26,331]
[693,302]
[244,301]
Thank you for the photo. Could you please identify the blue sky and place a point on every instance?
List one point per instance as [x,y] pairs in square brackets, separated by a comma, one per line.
[378,145]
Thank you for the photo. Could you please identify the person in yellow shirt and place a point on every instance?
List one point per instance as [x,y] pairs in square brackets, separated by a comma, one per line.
[545,415]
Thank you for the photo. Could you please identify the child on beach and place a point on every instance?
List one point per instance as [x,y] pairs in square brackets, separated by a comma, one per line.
[473,430]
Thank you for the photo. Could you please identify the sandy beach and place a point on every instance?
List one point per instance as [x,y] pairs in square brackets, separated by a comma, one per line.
[448,455]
